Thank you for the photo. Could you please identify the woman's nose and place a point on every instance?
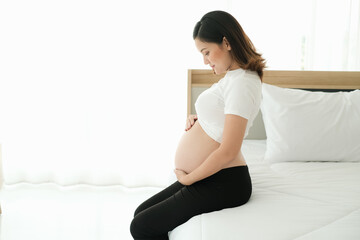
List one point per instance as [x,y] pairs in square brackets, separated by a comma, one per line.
[206,61]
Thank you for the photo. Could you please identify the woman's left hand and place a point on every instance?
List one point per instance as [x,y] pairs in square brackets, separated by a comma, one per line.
[181,176]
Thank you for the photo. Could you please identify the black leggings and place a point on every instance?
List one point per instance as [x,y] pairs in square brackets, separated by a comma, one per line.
[176,204]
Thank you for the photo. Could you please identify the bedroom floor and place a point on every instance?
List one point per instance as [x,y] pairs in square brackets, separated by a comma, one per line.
[78,212]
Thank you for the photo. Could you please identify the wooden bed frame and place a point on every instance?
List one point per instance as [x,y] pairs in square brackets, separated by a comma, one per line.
[290,79]
[336,80]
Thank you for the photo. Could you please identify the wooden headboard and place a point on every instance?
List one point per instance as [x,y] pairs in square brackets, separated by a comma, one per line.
[200,80]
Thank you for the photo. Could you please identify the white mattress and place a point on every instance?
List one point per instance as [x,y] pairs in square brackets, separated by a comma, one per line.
[290,201]
[303,200]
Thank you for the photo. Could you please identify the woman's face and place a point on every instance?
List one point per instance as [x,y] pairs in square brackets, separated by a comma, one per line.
[216,55]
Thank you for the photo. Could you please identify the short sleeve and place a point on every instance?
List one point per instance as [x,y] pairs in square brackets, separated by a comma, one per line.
[239,97]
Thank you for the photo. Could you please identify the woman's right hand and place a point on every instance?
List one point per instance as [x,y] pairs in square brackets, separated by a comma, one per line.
[190,122]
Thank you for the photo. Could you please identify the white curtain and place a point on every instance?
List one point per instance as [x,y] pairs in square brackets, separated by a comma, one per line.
[303,35]
[95,91]
[333,39]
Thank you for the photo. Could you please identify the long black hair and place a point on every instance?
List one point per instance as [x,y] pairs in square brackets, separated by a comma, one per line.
[216,25]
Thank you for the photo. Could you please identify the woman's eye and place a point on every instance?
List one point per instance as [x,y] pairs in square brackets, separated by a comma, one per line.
[207,54]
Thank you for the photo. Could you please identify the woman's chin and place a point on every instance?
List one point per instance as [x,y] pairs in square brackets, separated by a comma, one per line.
[217,72]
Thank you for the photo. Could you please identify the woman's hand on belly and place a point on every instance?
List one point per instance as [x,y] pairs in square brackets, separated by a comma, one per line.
[190,122]
[181,176]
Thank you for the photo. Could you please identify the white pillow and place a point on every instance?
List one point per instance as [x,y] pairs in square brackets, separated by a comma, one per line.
[311,126]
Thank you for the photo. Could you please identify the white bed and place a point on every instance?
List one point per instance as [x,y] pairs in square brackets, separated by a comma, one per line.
[302,200]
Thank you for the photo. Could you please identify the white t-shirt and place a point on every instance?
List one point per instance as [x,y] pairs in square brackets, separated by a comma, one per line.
[238,93]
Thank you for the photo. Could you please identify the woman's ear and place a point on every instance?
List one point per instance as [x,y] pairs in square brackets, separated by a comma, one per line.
[226,44]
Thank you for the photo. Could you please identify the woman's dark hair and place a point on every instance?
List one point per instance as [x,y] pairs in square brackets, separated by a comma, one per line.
[216,25]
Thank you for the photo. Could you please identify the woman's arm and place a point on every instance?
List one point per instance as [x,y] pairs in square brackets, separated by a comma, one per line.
[233,135]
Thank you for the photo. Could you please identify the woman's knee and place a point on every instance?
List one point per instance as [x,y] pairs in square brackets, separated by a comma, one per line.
[139,229]
[134,228]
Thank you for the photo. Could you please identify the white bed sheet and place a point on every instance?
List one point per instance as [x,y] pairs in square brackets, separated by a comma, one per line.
[302,200]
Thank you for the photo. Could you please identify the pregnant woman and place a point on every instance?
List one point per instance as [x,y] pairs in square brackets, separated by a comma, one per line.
[211,170]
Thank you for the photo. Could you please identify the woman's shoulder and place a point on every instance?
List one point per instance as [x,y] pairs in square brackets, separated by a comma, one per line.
[241,77]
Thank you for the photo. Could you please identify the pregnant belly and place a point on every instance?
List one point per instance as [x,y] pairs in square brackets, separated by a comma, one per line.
[194,147]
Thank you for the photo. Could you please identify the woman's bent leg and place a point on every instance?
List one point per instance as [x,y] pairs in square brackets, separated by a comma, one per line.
[156,221]
[227,188]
